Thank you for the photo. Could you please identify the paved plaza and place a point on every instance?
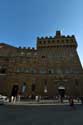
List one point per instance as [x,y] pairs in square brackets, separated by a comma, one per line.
[41,115]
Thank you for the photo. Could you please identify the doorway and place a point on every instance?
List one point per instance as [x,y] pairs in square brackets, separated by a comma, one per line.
[61,91]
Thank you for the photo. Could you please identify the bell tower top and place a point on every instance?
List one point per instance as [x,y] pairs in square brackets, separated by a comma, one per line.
[58,34]
[58,40]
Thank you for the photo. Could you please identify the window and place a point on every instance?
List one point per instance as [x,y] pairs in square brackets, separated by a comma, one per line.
[59,71]
[44,42]
[28,54]
[68,71]
[76,82]
[2,70]
[67,40]
[53,41]
[62,40]
[40,42]
[58,40]
[22,53]
[33,71]
[43,56]
[35,54]
[48,41]
[50,71]
[42,71]
[18,70]
[33,87]
[51,55]
[23,69]
[27,70]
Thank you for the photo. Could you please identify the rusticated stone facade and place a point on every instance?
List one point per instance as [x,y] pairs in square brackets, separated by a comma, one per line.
[53,64]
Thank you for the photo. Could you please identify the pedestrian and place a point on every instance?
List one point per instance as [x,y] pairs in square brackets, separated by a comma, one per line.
[81,98]
[78,99]
[18,97]
[14,93]
[71,103]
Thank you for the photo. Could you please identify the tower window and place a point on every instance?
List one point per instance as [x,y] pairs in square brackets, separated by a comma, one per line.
[53,41]
[44,42]
[40,42]
[58,40]
[43,56]
[3,70]
[50,71]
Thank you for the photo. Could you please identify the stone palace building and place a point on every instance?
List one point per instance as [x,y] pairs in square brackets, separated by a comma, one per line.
[53,65]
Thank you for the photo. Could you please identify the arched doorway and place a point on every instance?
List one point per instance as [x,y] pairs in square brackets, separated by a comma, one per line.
[61,91]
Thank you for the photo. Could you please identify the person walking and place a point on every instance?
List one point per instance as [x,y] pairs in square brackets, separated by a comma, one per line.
[71,103]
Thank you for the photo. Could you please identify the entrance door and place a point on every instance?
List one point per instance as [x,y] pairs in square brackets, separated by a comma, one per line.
[61,90]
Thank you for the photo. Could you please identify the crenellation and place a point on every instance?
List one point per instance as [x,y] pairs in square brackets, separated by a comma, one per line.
[46,37]
[19,47]
[24,47]
[56,41]
[33,48]
[68,36]
[42,38]
[28,48]
[72,36]
[63,36]
[50,37]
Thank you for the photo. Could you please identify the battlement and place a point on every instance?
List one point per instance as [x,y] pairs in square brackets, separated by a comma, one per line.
[24,48]
[57,40]
[57,35]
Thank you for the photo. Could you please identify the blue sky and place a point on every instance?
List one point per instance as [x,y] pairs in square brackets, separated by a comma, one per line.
[21,21]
